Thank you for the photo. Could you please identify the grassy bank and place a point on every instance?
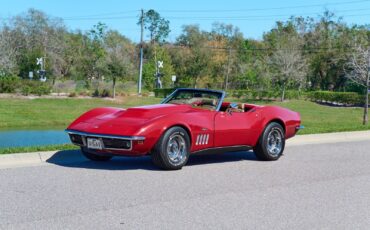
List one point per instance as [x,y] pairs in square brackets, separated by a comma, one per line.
[58,113]
[55,113]
[325,119]
[36,148]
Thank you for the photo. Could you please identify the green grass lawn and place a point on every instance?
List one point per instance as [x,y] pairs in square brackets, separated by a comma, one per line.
[37,148]
[55,113]
[58,113]
[325,119]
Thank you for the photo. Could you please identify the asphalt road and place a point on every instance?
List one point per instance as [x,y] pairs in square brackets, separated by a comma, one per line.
[324,186]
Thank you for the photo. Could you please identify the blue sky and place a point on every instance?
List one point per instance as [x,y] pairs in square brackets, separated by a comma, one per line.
[252,17]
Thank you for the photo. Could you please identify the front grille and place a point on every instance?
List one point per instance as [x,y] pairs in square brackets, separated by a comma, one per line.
[76,139]
[113,143]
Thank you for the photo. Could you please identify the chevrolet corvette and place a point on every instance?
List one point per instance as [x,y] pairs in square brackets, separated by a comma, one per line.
[187,122]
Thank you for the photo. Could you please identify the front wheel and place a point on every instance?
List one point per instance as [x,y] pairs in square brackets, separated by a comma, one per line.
[271,143]
[172,150]
[94,157]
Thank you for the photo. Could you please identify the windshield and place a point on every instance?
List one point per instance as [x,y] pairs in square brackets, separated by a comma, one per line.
[196,98]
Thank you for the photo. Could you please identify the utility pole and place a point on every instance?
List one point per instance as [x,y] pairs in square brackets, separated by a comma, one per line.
[366,112]
[228,69]
[141,52]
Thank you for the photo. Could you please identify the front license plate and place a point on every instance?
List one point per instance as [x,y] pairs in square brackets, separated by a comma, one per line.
[93,143]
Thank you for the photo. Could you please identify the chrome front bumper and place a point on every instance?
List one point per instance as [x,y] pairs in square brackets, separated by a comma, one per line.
[75,135]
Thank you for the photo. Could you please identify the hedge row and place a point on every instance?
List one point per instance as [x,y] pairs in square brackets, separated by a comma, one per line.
[13,84]
[265,94]
[348,98]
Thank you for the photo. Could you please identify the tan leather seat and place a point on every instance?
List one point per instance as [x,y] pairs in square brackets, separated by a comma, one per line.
[238,109]
[241,107]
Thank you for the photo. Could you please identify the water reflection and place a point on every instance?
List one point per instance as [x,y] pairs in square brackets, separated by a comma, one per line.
[23,138]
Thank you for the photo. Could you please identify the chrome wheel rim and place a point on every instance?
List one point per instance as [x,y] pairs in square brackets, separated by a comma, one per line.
[274,142]
[176,148]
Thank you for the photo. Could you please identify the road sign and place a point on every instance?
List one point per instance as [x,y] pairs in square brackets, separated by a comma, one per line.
[173,78]
[160,64]
[39,61]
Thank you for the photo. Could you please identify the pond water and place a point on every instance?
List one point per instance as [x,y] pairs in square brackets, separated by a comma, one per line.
[24,138]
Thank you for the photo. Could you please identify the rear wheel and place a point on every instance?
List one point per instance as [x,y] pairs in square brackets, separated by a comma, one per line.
[93,156]
[271,143]
[172,150]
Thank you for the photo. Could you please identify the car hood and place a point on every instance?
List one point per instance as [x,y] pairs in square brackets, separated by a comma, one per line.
[126,121]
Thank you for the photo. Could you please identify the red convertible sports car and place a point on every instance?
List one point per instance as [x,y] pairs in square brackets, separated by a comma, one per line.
[187,122]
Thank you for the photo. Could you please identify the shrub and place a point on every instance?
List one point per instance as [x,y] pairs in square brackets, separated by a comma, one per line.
[95,93]
[163,92]
[294,94]
[349,98]
[26,90]
[265,94]
[9,84]
[42,90]
[35,87]
[105,93]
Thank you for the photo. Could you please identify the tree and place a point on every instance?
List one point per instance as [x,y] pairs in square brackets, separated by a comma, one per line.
[158,27]
[34,35]
[231,39]
[93,55]
[8,52]
[357,69]
[199,57]
[288,63]
[120,54]
[326,41]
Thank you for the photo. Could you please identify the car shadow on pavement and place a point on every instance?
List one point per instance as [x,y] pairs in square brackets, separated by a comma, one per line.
[74,159]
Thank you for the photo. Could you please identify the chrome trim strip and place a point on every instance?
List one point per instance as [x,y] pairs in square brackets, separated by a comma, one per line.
[84,140]
[204,139]
[197,142]
[130,138]
[207,139]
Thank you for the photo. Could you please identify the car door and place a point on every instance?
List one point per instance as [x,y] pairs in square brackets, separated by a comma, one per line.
[236,128]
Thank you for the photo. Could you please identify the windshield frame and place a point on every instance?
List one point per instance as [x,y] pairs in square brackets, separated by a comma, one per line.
[220,100]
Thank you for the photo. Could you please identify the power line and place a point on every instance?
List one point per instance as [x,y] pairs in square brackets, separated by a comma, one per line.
[103,14]
[262,16]
[272,8]
[246,17]
[100,18]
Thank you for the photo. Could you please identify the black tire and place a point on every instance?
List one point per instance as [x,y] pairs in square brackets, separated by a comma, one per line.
[263,150]
[94,157]
[162,158]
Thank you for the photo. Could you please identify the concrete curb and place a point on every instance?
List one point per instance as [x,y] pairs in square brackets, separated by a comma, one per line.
[19,159]
[37,158]
[329,138]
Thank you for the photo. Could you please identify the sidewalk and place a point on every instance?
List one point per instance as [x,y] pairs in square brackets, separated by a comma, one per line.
[328,138]
[72,156]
